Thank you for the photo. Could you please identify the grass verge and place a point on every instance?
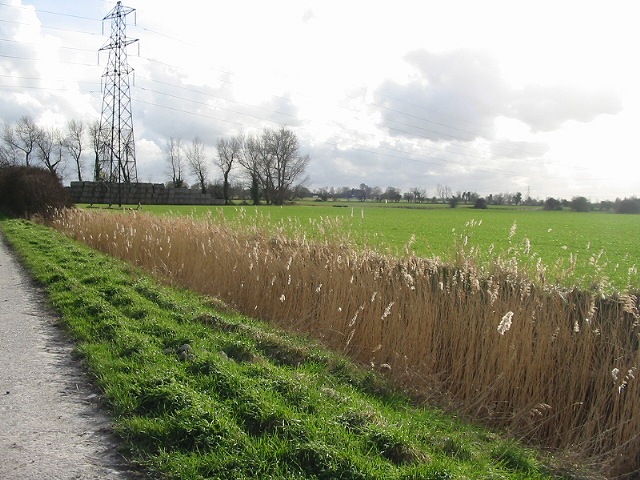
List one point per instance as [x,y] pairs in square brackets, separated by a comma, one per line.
[196,392]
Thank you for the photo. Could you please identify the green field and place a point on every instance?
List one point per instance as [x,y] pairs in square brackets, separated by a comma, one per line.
[577,248]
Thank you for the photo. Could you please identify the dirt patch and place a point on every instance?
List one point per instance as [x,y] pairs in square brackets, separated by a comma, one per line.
[52,425]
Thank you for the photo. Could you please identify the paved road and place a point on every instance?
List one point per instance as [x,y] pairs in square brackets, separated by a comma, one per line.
[51,424]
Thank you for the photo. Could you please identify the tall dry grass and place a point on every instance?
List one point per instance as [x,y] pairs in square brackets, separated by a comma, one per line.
[556,367]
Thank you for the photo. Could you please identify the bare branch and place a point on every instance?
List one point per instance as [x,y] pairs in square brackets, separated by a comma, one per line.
[74,143]
[198,163]
[229,151]
[175,159]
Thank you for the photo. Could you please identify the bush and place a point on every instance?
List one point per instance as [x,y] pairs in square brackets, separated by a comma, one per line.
[580,204]
[628,205]
[29,191]
[552,204]
[480,203]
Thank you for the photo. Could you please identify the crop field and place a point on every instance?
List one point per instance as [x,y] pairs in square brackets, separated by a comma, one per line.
[584,249]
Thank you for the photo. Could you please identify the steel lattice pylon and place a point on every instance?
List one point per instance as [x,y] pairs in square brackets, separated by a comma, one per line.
[117,153]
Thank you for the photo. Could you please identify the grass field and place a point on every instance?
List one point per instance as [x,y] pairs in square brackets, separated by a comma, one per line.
[577,248]
[197,392]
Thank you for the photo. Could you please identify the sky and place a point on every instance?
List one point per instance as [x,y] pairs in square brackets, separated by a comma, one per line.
[538,97]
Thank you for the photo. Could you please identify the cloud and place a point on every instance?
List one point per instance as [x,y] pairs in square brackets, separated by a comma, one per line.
[308,15]
[518,149]
[452,96]
[39,77]
[170,104]
[545,108]
[16,70]
[458,95]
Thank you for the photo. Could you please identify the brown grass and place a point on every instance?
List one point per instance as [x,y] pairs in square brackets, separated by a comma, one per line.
[559,370]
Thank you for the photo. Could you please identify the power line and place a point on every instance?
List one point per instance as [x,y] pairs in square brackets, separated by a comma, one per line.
[246,114]
[17,57]
[61,89]
[209,95]
[423,159]
[37,45]
[452,138]
[51,28]
[397,154]
[49,12]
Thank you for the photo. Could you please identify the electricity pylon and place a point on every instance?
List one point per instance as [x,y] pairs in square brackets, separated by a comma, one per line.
[117,153]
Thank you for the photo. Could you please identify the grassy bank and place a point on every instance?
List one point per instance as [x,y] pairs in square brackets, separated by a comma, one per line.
[197,392]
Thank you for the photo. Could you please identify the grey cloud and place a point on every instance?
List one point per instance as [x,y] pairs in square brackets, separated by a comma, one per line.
[279,109]
[518,149]
[172,106]
[455,96]
[395,163]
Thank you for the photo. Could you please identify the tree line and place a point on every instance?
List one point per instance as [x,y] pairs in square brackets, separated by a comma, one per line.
[265,167]
[270,161]
[29,144]
[443,194]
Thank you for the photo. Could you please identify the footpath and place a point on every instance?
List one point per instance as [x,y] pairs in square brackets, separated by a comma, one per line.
[51,422]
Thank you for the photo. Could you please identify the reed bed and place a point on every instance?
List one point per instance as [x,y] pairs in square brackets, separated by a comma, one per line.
[556,367]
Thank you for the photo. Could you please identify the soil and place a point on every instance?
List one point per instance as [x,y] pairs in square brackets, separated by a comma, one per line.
[52,423]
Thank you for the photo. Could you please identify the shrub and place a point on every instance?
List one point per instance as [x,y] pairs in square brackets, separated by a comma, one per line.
[580,204]
[480,203]
[628,205]
[552,204]
[29,191]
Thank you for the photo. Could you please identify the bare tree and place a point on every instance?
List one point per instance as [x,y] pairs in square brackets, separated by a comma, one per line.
[6,158]
[273,162]
[50,148]
[418,194]
[8,151]
[286,162]
[252,153]
[444,192]
[392,194]
[97,144]
[198,162]
[229,151]
[176,161]
[23,137]
[74,143]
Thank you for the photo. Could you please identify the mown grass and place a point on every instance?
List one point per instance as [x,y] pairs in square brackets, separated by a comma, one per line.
[196,392]
[583,249]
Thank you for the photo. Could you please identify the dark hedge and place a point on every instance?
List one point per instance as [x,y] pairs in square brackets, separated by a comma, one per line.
[29,191]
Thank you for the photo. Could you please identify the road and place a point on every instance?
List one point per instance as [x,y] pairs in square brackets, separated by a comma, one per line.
[52,425]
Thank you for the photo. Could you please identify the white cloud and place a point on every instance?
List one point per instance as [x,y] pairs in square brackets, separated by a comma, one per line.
[547,107]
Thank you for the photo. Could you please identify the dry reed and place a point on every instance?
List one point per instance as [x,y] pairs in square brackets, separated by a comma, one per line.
[557,367]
